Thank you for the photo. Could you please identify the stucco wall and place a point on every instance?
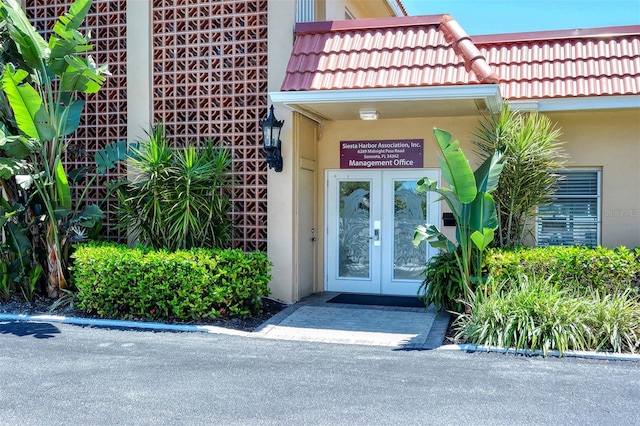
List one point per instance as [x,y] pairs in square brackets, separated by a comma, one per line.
[335,131]
[284,235]
[609,140]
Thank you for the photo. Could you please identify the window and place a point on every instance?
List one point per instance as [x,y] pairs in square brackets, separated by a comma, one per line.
[306,11]
[572,216]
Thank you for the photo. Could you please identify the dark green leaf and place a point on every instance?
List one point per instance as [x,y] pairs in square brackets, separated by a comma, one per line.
[89,216]
[455,167]
[107,158]
[77,174]
[71,117]
[81,75]
[33,47]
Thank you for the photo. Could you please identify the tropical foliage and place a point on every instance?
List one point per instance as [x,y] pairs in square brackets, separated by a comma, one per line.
[533,313]
[532,153]
[470,201]
[44,84]
[442,283]
[176,199]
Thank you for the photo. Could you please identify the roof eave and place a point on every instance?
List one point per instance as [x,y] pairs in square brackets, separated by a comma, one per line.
[587,103]
[297,100]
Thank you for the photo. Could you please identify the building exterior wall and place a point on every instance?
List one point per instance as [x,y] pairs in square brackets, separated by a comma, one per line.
[606,140]
[609,140]
[204,70]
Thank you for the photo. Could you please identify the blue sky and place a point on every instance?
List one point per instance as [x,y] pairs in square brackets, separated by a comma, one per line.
[507,16]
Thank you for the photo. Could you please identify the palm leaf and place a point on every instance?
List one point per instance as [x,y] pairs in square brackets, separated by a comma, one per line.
[89,216]
[66,40]
[433,236]
[81,75]
[70,117]
[112,153]
[72,20]
[488,174]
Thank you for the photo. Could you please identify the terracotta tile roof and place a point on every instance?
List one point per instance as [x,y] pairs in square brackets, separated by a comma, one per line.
[378,53]
[558,64]
[424,51]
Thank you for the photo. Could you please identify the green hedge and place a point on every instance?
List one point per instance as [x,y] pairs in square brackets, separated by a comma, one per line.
[115,281]
[577,268]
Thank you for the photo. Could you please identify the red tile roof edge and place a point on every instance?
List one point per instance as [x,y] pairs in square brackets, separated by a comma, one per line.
[474,60]
[401,6]
[602,32]
[366,23]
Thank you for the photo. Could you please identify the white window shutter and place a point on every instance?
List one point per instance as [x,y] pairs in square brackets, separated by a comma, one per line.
[572,216]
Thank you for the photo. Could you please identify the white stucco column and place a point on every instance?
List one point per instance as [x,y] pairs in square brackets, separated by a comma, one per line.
[280,195]
[139,78]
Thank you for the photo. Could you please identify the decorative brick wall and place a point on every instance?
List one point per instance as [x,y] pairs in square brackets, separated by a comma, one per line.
[210,81]
[105,116]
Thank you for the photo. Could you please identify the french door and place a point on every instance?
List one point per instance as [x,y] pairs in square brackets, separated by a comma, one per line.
[370,219]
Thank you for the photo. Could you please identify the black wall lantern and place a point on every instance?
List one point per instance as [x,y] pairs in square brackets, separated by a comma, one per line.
[271,140]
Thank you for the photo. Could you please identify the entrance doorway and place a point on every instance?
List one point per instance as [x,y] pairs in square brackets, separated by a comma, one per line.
[370,219]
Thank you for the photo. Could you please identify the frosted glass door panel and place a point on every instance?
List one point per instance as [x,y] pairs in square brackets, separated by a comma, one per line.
[354,254]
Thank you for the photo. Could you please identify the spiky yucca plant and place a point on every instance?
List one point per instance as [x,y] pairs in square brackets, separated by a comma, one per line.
[532,155]
[176,198]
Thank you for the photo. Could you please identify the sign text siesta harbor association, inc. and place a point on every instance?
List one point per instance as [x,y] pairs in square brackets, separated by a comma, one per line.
[387,154]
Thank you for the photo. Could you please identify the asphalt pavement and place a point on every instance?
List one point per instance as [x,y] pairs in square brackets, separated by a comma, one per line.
[61,374]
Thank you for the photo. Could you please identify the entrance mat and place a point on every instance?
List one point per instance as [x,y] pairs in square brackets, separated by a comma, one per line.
[377,299]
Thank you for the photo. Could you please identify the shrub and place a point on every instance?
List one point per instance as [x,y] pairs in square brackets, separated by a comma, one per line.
[580,269]
[6,284]
[443,285]
[114,281]
[469,198]
[535,313]
[178,198]
[526,314]
[532,152]
[615,320]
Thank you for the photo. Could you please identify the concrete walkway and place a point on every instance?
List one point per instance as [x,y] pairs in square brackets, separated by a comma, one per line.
[314,319]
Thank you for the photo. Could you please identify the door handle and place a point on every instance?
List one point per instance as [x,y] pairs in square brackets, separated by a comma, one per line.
[376,233]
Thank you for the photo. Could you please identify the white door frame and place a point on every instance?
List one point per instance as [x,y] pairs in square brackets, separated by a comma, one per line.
[380,279]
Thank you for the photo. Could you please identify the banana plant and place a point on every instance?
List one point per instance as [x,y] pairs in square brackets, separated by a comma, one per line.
[469,199]
[42,89]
